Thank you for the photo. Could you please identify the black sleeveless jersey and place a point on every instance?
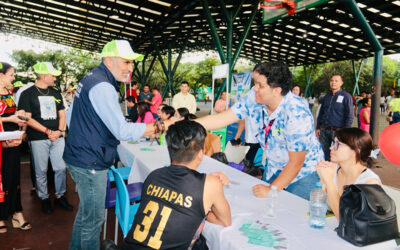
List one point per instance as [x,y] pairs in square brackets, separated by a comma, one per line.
[170,211]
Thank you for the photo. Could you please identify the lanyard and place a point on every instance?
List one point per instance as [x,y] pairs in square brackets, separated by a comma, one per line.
[267,131]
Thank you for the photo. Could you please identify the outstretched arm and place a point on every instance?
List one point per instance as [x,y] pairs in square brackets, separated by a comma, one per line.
[218,120]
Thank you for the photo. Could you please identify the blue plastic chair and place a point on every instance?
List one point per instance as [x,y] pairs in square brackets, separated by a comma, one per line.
[124,172]
[123,210]
[134,190]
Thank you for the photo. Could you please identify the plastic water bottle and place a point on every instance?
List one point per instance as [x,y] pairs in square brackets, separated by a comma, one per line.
[162,139]
[272,199]
[318,207]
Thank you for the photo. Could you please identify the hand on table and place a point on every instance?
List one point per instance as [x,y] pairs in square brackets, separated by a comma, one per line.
[222,177]
[326,171]
[261,191]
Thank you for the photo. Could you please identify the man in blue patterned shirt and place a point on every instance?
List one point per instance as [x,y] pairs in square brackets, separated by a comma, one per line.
[291,147]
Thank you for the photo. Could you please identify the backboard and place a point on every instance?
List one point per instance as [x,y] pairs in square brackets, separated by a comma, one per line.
[270,15]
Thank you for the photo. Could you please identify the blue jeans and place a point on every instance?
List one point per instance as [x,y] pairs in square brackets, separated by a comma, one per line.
[41,151]
[302,187]
[395,118]
[91,186]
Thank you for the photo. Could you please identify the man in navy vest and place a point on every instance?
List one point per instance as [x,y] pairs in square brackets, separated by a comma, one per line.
[96,125]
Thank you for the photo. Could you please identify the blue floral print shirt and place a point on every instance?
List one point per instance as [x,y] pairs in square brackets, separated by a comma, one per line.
[292,130]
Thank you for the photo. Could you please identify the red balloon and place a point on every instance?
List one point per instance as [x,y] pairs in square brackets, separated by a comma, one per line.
[389,143]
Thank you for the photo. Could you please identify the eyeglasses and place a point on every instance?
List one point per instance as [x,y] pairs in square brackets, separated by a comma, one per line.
[335,145]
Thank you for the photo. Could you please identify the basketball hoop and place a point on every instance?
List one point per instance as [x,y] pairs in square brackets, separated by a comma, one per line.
[289,5]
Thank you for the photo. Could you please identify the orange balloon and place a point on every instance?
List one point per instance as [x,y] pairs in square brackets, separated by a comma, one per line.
[389,143]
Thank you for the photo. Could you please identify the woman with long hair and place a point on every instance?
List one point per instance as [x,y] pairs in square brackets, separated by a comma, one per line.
[145,116]
[11,158]
[181,112]
[350,152]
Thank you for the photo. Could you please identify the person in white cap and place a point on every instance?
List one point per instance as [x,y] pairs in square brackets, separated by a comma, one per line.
[95,127]
[44,107]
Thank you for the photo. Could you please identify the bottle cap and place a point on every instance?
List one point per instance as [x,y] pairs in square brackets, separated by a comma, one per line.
[318,185]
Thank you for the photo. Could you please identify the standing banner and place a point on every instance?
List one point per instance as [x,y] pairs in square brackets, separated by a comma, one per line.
[241,84]
[220,71]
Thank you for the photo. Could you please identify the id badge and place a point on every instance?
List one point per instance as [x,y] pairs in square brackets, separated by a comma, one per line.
[264,157]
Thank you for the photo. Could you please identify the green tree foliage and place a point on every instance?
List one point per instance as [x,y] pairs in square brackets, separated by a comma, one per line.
[323,72]
[197,74]
[74,64]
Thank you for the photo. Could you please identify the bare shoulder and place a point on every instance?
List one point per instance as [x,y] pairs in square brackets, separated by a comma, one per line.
[212,182]
[374,181]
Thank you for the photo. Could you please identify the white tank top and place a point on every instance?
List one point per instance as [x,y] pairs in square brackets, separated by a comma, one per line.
[364,177]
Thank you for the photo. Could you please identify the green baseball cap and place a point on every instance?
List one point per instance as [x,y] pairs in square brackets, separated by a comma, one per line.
[18,84]
[120,48]
[1,65]
[45,68]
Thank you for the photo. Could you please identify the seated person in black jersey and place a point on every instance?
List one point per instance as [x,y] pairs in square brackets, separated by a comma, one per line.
[132,107]
[177,199]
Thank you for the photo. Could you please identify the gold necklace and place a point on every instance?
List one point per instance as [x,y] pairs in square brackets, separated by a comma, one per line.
[48,90]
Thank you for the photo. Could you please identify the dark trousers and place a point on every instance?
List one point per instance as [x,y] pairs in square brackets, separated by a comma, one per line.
[11,173]
[252,151]
[395,118]
[326,138]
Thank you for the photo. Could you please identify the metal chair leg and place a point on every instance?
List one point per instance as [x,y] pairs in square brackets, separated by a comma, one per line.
[116,231]
[105,225]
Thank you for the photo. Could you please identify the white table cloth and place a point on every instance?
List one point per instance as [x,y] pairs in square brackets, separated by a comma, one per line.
[250,229]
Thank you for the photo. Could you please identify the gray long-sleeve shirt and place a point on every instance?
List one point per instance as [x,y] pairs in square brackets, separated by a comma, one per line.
[336,110]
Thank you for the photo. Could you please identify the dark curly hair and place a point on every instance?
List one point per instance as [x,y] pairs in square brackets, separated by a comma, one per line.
[277,74]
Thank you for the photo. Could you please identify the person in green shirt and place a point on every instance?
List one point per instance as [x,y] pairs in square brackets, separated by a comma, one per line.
[394,108]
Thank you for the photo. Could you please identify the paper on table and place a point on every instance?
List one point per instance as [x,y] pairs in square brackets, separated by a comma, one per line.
[10,135]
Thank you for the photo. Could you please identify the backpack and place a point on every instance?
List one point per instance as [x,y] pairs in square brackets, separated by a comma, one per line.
[367,215]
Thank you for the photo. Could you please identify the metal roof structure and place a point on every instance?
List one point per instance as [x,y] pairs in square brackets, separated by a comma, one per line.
[317,35]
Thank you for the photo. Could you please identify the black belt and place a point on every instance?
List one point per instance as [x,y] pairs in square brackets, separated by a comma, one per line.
[334,128]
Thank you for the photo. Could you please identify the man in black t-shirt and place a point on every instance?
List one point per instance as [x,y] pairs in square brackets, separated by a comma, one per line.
[177,199]
[44,107]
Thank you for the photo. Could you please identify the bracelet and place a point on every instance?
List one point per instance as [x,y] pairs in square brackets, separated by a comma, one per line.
[62,131]
[45,131]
